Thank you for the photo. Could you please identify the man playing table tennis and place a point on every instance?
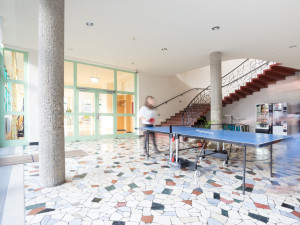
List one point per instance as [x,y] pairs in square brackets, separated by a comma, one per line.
[147,114]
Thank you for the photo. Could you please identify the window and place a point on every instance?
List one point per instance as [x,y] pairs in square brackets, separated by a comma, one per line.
[125,81]
[95,77]
[125,104]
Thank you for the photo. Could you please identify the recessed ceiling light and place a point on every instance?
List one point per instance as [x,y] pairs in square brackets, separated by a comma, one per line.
[94,80]
[90,24]
[215,28]
[164,49]
[292,46]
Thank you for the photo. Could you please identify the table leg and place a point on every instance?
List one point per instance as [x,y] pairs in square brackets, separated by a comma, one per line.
[170,146]
[148,141]
[271,160]
[177,146]
[244,171]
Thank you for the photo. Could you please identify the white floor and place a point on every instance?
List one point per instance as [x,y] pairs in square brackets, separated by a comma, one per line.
[13,211]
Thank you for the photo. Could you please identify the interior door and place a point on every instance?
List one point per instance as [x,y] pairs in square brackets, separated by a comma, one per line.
[87,113]
[105,114]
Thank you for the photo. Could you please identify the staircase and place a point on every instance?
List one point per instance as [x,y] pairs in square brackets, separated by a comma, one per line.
[198,111]
[269,76]
[233,88]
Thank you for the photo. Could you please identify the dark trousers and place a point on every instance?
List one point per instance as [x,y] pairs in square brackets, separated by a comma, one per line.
[146,138]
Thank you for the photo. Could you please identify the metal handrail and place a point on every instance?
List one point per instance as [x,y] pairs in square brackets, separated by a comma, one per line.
[245,74]
[209,85]
[235,68]
[166,102]
[234,82]
[196,97]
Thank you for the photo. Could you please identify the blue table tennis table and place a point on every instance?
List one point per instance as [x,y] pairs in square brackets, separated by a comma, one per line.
[243,139]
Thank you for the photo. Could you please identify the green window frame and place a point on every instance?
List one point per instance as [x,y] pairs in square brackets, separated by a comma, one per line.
[3,107]
[115,115]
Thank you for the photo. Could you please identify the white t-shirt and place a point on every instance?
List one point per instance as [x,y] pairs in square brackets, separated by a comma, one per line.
[147,113]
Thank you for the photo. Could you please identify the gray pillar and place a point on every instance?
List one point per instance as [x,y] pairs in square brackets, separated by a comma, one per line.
[216,89]
[51,93]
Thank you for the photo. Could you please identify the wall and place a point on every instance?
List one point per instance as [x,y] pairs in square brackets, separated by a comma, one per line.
[163,88]
[283,91]
[33,95]
[1,37]
[201,77]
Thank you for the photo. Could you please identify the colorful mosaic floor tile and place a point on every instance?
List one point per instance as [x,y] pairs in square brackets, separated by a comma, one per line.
[113,184]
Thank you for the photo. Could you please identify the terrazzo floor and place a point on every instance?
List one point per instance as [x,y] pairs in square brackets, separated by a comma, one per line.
[113,184]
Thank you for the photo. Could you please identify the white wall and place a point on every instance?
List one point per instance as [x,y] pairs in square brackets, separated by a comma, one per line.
[163,88]
[1,30]
[283,91]
[33,95]
[201,77]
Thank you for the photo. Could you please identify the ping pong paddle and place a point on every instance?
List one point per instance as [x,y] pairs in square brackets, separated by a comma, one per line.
[152,120]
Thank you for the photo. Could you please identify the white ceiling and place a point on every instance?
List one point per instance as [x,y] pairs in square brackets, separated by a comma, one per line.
[249,29]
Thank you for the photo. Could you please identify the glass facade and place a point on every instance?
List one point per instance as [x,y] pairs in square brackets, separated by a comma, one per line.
[69,125]
[86,102]
[68,100]
[13,88]
[95,77]
[125,124]
[14,65]
[86,125]
[106,125]
[105,103]
[125,104]
[125,81]
[69,73]
[98,102]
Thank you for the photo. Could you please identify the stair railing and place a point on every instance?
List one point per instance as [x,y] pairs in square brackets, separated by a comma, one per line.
[239,77]
[177,96]
[232,81]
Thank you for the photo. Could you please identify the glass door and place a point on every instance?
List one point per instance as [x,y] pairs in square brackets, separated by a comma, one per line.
[99,102]
[126,104]
[125,114]
[105,114]
[86,115]
[95,114]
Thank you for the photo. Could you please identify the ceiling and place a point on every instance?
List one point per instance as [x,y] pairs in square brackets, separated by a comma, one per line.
[130,34]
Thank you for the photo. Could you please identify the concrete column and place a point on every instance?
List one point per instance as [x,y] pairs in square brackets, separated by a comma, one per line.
[51,92]
[216,89]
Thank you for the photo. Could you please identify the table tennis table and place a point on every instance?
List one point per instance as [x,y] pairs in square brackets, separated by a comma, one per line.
[244,139]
